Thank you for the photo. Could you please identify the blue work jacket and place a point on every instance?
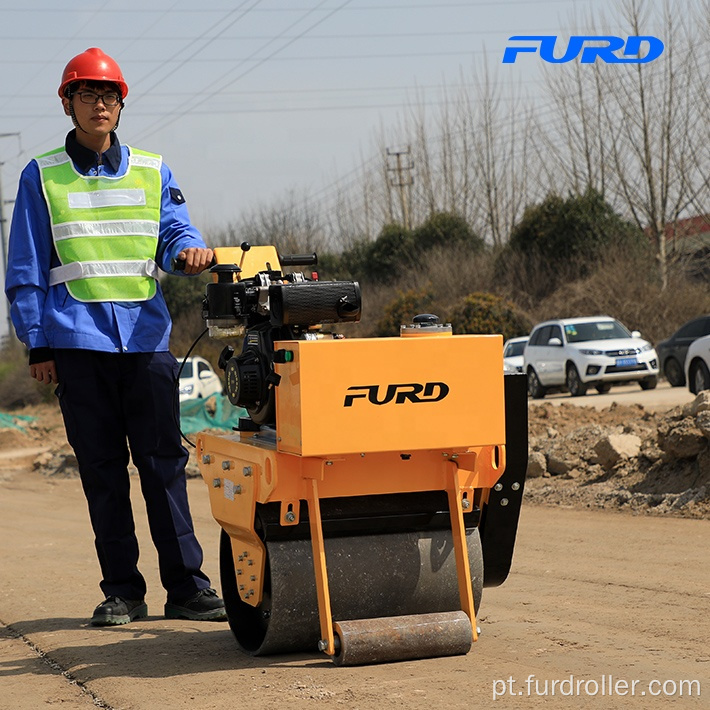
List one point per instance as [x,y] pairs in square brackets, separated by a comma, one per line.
[48,317]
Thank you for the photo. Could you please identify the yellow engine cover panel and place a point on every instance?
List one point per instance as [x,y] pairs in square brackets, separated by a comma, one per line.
[250,262]
[390,394]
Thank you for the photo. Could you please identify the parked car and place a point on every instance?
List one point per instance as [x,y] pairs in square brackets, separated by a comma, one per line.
[198,379]
[697,365]
[578,353]
[672,351]
[513,354]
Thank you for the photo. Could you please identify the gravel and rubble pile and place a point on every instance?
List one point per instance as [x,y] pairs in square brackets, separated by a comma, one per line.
[621,457]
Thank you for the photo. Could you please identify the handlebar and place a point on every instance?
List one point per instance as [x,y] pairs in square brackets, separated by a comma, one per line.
[287,260]
[299,259]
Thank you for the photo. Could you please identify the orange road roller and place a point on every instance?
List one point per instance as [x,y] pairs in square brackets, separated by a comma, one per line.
[375,486]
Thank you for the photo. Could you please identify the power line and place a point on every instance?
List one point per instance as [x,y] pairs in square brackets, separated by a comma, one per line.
[202,36]
[204,11]
[303,91]
[551,110]
[218,80]
[258,61]
[231,38]
[67,42]
[146,30]
[541,110]
[231,12]
[56,55]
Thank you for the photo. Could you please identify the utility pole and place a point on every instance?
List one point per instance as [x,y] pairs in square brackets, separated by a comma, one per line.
[3,240]
[402,180]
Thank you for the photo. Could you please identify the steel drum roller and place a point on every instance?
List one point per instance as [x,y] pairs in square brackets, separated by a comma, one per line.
[370,576]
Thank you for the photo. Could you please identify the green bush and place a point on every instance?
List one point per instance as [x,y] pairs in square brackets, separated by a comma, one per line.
[579,227]
[380,260]
[184,294]
[562,240]
[446,229]
[396,248]
[401,311]
[486,313]
[330,267]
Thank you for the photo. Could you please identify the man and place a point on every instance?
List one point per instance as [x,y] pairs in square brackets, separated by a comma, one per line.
[92,223]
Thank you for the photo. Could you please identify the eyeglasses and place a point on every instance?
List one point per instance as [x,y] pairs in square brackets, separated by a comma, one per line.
[91,97]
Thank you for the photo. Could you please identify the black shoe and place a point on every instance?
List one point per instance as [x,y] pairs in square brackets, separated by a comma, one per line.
[203,606]
[114,611]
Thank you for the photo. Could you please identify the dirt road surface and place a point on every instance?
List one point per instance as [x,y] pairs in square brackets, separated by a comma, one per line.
[599,605]
[659,399]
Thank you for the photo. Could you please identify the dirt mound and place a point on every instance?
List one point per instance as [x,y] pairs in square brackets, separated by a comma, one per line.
[14,439]
[45,434]
[623,458]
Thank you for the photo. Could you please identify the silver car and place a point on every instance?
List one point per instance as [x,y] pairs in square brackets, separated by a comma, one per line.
[697,365]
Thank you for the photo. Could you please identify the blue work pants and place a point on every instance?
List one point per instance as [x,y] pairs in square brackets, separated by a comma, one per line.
[113,404]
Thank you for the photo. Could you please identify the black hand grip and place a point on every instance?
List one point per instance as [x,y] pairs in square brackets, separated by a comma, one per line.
[299,259]
[179,264]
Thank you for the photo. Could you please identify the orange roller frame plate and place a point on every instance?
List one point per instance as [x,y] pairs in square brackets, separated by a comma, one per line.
[390,394]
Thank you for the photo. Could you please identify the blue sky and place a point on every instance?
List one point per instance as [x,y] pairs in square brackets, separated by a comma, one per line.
[249,99]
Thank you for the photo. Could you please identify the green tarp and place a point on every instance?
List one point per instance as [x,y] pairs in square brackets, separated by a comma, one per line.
[14,421]
[215,412]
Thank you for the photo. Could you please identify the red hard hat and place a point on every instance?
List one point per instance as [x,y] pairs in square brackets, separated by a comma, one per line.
[93,65]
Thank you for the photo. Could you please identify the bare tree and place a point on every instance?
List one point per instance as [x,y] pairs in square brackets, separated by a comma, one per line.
[577,146]
[472,158]
[501,164]
[700,150]
[292,225]
[637,133]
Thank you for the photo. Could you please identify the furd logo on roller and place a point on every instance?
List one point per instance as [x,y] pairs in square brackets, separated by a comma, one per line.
[637,49]
[399,394]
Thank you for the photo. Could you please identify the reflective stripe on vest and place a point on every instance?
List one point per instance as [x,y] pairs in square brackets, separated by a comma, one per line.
[78,270]
[105,229]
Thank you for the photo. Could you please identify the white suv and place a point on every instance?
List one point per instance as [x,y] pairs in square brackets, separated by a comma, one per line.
[513,354]
[578,353]
[198,379]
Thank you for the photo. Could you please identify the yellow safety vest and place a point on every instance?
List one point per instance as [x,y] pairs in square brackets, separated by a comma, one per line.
[105,229]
